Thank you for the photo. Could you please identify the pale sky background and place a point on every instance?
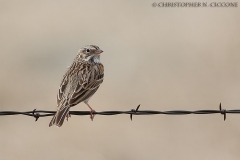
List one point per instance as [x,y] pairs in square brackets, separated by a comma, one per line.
[161,58]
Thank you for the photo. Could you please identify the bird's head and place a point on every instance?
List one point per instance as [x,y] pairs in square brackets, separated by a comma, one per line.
[90,53]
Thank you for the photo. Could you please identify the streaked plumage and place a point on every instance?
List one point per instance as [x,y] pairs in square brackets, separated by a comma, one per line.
[79,83]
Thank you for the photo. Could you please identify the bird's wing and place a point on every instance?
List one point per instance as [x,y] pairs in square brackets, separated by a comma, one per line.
[89,82]
[67,84]
[81,86]
[61,96]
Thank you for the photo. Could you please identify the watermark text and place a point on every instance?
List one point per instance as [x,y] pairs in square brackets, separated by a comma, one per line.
[194,4]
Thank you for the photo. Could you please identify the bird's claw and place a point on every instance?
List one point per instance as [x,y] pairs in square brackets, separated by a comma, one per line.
[68,116]
[92,114]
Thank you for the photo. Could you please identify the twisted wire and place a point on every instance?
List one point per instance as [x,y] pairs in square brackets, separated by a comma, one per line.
[42,113]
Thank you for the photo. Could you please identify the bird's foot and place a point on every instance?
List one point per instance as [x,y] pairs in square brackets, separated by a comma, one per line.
[68,116]
[92,114]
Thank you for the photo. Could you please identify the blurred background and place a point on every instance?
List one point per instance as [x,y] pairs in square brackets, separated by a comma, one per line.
[161,58]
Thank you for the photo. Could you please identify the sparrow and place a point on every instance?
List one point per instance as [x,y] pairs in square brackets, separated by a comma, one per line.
[81,80]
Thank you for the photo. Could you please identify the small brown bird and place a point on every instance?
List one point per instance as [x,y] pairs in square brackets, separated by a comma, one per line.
[79,83]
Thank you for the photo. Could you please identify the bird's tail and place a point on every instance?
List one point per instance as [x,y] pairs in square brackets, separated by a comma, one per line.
[59,117]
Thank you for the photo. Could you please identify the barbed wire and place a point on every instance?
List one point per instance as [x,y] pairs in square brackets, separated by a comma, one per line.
[41,113]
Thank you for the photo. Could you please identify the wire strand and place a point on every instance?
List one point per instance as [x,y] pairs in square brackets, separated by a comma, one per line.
[42,113]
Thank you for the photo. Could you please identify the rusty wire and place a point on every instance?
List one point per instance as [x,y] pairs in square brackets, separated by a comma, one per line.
[41,113]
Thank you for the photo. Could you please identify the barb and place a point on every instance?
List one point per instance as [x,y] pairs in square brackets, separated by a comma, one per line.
[223,112]
[41,113]
[134,111]
[35,114]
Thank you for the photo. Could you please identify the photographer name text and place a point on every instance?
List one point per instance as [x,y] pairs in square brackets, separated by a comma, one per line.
[196,4]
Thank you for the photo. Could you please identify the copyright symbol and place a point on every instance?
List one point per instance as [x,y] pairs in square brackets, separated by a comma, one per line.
[154,4]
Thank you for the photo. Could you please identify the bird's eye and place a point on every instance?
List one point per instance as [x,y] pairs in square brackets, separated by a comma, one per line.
[88,50]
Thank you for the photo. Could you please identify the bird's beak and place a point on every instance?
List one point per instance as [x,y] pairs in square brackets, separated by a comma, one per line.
[98,51]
